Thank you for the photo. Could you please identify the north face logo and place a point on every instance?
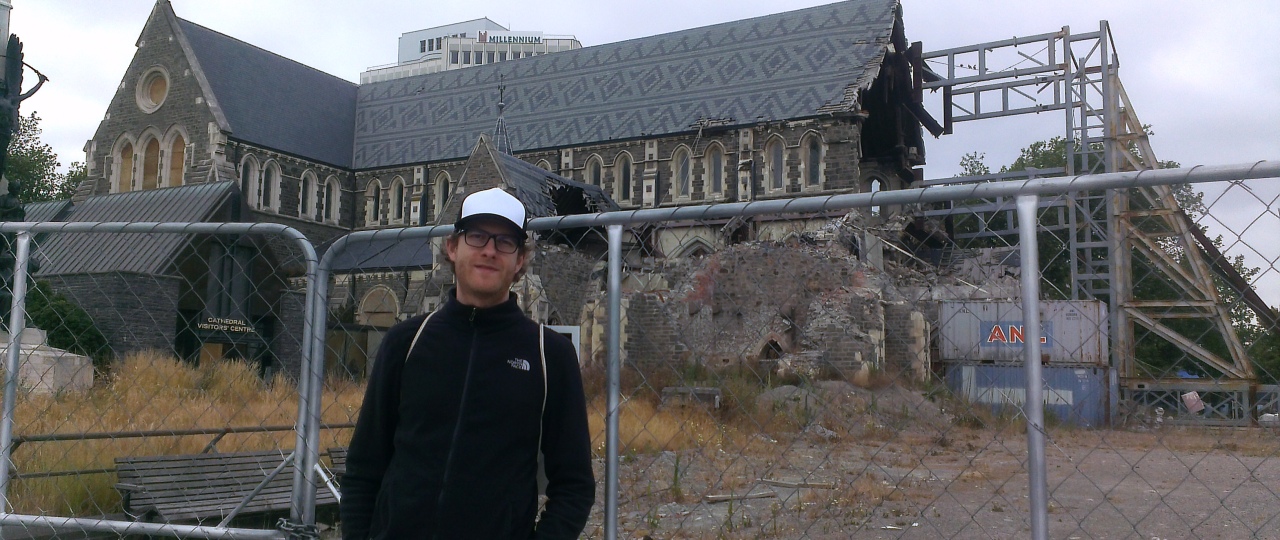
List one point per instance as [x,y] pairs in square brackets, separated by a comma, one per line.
[519,363]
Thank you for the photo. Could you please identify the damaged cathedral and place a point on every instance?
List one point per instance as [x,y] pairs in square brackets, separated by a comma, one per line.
[821,101]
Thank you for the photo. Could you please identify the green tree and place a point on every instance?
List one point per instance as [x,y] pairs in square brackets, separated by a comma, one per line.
[972,164]
[1265,353]
[76,173]
[34,165]
[31,169]
[1054,260]
[1050,154]
[67,325]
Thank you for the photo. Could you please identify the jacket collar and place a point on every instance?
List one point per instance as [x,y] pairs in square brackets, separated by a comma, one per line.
[503,313]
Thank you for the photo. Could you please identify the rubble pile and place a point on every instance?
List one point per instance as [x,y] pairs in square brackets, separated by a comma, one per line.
[818,299]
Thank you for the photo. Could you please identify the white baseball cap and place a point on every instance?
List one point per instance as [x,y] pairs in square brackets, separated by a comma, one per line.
[493,202]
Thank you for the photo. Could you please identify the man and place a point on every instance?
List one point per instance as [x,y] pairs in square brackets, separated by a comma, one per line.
[446,445]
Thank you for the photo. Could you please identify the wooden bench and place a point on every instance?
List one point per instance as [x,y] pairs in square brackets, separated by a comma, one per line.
[199,487]
[338,461]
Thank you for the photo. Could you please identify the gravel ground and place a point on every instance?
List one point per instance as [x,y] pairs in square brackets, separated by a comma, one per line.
[906,467]
[1098,489]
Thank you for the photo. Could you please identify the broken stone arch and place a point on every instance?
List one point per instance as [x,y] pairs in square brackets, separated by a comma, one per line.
[695,247]
[771,347]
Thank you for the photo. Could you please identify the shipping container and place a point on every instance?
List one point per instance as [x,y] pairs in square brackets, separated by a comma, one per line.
[1072,332]
[1072,395]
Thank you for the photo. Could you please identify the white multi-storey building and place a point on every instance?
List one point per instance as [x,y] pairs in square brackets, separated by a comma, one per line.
[464,44]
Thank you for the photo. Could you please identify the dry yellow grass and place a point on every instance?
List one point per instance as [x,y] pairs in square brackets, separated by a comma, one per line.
[155,392]
[644,427]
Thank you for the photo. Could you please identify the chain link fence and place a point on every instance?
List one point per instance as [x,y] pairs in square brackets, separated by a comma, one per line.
[828,367]
[862,372]
[154,378]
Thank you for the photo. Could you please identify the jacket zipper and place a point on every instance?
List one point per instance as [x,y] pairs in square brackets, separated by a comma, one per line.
[457,426]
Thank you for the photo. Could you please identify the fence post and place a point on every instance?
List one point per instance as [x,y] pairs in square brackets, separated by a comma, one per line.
[1034,406]
[615,377]
[17,320]
[298,505]
[310,387]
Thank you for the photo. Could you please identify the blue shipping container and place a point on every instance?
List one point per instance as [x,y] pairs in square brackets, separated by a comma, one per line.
[1072,395]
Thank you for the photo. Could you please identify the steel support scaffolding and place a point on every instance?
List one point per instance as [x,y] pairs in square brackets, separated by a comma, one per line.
[1079,74]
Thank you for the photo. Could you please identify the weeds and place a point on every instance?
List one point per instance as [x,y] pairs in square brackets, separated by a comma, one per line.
[652,520]
[677,493]
[645,428]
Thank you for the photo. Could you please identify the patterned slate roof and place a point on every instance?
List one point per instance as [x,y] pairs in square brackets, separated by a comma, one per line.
[45,211]
[790,65]
[275,102]
[85,253]
[384,254]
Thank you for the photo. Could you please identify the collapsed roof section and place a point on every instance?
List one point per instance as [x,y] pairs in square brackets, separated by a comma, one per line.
[545,193]
[542,192]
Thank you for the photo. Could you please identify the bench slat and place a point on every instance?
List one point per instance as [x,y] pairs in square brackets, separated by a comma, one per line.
[211,476]
[202,486]
[227,456]
[338,460]
[266,498]
[192,496]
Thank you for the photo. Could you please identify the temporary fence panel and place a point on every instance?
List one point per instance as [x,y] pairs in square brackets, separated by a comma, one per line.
[141,344]
[779,374]
[764,369]
[900,457]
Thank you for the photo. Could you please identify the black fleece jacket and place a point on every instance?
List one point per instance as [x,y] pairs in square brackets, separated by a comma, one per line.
[446,443]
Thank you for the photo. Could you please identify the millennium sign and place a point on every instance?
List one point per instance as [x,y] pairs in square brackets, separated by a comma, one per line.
[509,38]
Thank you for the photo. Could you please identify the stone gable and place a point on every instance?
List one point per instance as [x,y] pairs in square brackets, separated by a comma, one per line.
[185,109]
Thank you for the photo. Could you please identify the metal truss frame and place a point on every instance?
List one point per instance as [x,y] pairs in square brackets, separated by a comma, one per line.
[1079,75]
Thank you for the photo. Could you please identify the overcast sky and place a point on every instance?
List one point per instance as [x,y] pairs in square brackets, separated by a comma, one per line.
[1205,75]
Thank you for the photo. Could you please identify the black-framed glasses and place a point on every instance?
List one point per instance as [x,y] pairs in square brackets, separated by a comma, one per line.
[504,243]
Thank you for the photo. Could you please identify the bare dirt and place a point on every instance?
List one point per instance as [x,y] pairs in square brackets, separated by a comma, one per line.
[899,463]
[890,463]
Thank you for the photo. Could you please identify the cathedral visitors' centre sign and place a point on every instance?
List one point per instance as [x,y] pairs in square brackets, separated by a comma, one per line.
[218,324]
